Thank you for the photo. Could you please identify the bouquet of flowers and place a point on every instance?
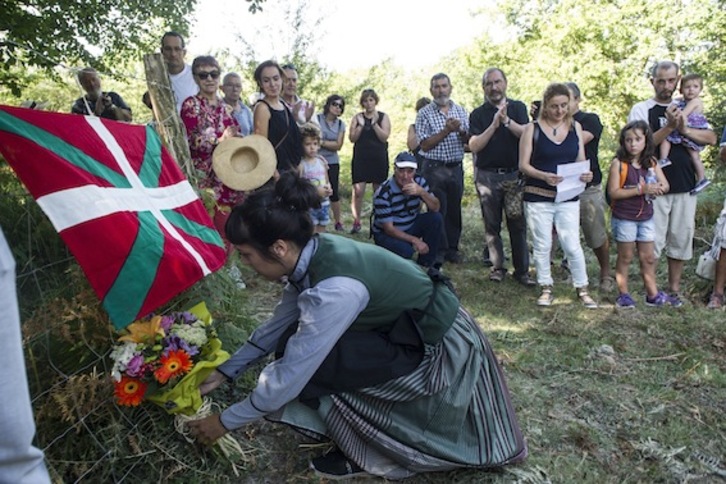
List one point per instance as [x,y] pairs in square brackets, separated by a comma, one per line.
[164,359]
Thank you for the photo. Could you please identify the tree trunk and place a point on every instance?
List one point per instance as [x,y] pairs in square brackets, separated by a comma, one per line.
[168,123]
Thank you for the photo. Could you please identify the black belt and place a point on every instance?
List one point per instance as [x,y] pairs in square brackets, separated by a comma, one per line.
[431,162]
[500,171]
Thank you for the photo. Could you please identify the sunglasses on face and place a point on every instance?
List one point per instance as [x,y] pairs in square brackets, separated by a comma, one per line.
[337,105]
[204,75]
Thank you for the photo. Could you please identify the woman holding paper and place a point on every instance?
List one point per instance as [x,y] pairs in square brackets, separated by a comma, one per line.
[555,139]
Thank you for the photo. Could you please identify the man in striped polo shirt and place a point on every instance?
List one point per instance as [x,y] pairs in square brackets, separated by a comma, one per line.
[398,224]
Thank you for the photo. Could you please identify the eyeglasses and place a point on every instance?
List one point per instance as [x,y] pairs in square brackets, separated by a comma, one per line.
[337,105]
[204,75]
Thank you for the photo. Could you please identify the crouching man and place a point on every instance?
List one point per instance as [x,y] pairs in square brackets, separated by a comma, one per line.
[398,223]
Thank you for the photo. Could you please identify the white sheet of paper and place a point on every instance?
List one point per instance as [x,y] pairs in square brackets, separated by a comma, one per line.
[571,186]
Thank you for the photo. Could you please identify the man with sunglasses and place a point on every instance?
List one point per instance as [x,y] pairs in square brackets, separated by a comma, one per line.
[182,80]
[301,109]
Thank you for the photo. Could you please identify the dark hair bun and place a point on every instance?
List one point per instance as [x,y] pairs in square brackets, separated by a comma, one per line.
[296,193]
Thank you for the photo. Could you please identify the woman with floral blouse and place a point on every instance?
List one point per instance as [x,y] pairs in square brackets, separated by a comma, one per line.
[208,122]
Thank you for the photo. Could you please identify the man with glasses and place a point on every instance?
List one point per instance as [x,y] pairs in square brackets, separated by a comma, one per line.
[232,89]
[301,109]
[180,73]
[495,129]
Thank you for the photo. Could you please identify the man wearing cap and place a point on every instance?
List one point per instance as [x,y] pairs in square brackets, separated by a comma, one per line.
[180,73]
[232,89]
[495,128]
[107,104]
[592,200]
[398,224]
[442,128]
[301,109]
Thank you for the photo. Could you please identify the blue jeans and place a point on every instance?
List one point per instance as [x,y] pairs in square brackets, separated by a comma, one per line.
[20,462]
[566,218]
[427,226]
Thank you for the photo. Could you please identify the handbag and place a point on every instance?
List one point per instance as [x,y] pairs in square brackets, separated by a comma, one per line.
[513,198]
[706,267]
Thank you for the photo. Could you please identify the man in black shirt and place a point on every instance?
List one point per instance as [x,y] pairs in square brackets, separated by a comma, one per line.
[495,128]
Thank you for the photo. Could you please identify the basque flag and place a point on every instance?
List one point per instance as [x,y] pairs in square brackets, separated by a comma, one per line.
[120,203]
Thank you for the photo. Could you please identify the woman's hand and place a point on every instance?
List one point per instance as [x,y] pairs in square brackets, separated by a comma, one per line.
[360,119]
[229,132]
[207,430]
[212,382]
[586,177]
[552,179]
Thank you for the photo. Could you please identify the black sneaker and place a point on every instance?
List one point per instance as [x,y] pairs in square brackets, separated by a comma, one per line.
[336,466]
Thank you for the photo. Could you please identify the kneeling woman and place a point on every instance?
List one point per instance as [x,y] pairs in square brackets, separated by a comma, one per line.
[399,392]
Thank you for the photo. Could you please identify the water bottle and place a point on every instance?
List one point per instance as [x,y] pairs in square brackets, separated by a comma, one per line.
[650,178]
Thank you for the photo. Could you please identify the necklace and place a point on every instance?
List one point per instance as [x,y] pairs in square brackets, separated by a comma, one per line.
[554,128]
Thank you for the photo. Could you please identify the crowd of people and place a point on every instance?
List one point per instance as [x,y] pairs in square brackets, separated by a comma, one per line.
[370,358]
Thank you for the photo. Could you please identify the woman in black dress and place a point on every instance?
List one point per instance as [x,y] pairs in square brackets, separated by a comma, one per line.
[369,131]
[274,121]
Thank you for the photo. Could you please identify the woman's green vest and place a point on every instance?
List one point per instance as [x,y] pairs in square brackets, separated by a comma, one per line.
[395,284]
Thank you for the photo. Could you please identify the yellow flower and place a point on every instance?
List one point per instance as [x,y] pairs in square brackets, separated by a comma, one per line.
[144,331]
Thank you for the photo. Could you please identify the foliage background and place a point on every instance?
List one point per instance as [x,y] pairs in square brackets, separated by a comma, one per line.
[652,411]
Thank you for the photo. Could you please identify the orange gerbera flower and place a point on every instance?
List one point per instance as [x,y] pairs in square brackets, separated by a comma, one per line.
[129,391]
[174,363]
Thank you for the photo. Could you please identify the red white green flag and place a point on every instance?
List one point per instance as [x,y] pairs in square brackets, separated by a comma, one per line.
[120,203]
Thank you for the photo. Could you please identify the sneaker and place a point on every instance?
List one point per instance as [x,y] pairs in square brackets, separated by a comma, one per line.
[585,298]
[335,466]
[674,300]
[664,162]
[526,280]
[339,227]
[356,228]
[546,298]
[659,300]
[700,186]
[625,301]
[497,275]
[716,301]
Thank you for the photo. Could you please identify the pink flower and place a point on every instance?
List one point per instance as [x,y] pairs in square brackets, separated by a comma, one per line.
[135,367]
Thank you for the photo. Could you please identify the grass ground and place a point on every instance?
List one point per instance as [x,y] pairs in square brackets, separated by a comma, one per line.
[601,395]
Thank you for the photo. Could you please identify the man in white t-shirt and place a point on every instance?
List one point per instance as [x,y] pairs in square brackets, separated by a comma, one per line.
[180,73]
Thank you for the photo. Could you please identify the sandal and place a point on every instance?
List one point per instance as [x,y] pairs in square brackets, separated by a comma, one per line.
[716,301]
[585,298]
[546,298]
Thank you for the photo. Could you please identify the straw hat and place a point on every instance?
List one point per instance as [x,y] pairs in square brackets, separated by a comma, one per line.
[244,163]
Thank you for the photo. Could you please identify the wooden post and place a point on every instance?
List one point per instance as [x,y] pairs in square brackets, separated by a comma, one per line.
[169,124]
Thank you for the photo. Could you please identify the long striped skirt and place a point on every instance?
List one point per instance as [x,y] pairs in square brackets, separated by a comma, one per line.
[453,411]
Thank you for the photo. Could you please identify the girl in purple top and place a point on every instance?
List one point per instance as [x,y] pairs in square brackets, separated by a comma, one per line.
[632,210]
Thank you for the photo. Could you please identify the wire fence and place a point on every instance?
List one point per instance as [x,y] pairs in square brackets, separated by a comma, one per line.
[67,339]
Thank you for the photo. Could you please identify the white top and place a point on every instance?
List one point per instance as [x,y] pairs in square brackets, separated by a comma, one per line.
[183,85]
